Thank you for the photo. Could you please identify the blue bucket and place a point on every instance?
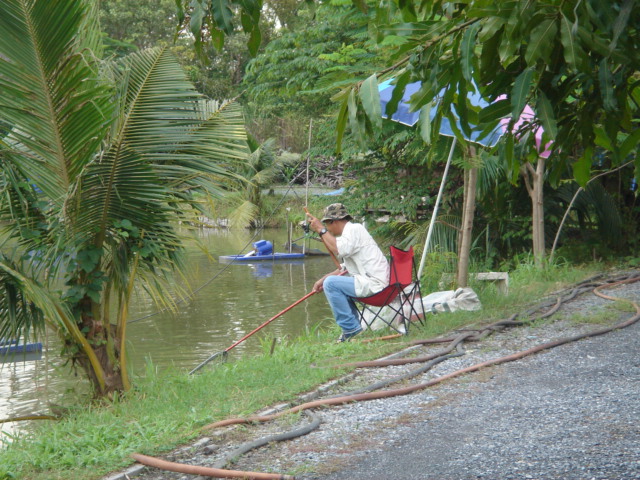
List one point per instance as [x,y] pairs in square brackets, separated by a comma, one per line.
[263,247]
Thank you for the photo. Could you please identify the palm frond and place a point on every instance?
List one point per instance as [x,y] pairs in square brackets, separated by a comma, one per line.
[492,175]
[596,205]
[244,213]
[25,304]
[52,97]
[166,144]
[19,317]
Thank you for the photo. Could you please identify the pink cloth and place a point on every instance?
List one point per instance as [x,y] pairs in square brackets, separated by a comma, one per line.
[527,116]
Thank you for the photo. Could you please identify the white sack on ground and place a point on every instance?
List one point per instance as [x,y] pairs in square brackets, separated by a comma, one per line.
[451,301]
[437,302]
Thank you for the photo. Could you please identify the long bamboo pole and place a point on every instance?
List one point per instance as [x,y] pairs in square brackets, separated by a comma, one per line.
[306,199]
[255,330]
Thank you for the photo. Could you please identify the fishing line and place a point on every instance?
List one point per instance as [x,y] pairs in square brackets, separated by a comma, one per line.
[220,272]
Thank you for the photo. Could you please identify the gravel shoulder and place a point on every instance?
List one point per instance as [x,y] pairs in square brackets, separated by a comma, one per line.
[571,412]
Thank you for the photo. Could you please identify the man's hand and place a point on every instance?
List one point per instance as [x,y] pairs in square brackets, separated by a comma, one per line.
[314,223]
[317,287]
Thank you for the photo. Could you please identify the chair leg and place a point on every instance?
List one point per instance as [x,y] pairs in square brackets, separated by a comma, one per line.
[420,314]
[377,314]
[410,299]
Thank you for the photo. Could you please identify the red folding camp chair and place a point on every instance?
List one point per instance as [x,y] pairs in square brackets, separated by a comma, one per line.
[399,303]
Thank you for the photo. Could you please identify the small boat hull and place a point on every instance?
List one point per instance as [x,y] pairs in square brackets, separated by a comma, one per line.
[260,258]
[18,353]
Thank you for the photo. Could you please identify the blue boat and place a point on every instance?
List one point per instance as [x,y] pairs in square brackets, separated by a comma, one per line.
[11,352]
[260,258]
[262,251]
[20,349]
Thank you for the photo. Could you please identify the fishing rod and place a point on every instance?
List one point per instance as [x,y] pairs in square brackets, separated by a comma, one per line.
[257,329]
[226,350]
[333,256]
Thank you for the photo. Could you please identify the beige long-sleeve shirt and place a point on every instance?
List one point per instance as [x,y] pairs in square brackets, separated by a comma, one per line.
[363,259]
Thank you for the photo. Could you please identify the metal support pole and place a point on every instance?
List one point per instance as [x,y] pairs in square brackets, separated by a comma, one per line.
[435,209]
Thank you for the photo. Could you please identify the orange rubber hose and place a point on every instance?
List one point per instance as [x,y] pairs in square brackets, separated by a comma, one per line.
[206,471]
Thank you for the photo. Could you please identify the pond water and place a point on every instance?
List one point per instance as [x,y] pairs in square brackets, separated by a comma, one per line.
[230,301]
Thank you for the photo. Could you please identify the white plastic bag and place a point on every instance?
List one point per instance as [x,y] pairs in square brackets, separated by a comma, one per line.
[451,301]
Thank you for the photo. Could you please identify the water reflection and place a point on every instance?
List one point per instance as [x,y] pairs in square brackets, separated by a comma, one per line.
[231,301]
[262,270]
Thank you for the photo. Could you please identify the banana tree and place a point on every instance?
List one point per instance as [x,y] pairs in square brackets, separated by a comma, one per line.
[99,162]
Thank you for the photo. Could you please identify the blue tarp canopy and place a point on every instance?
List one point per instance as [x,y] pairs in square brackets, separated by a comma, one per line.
[405,116]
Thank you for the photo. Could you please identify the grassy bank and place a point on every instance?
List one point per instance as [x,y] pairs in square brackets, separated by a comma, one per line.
[167,408]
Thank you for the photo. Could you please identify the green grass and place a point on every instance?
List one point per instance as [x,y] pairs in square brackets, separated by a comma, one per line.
[610,313]
[166,409]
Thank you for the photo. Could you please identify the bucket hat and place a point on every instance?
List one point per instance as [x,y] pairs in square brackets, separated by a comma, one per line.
[335,211]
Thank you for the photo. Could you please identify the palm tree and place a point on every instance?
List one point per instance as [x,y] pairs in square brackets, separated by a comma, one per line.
[260,170]
[100,162]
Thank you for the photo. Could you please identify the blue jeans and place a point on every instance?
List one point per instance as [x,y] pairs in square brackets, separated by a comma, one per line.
[340,292]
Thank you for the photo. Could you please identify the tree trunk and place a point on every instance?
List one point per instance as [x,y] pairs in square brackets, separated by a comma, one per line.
[469,207]
[104,342]
[534,181]
[112,374]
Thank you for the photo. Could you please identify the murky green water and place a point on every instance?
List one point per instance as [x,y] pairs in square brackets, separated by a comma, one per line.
[231,301]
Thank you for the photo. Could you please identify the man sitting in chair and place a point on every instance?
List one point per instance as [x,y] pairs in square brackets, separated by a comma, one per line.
[367,267]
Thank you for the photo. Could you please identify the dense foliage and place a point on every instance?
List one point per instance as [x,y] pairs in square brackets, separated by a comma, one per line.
[566,61]
[100,162]
[555,57]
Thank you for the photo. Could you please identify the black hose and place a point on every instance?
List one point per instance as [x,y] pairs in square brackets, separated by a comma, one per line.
[298,432]
[413,373]
[231,457]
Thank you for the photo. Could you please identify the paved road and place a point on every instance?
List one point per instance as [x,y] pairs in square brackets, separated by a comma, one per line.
[569,413]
